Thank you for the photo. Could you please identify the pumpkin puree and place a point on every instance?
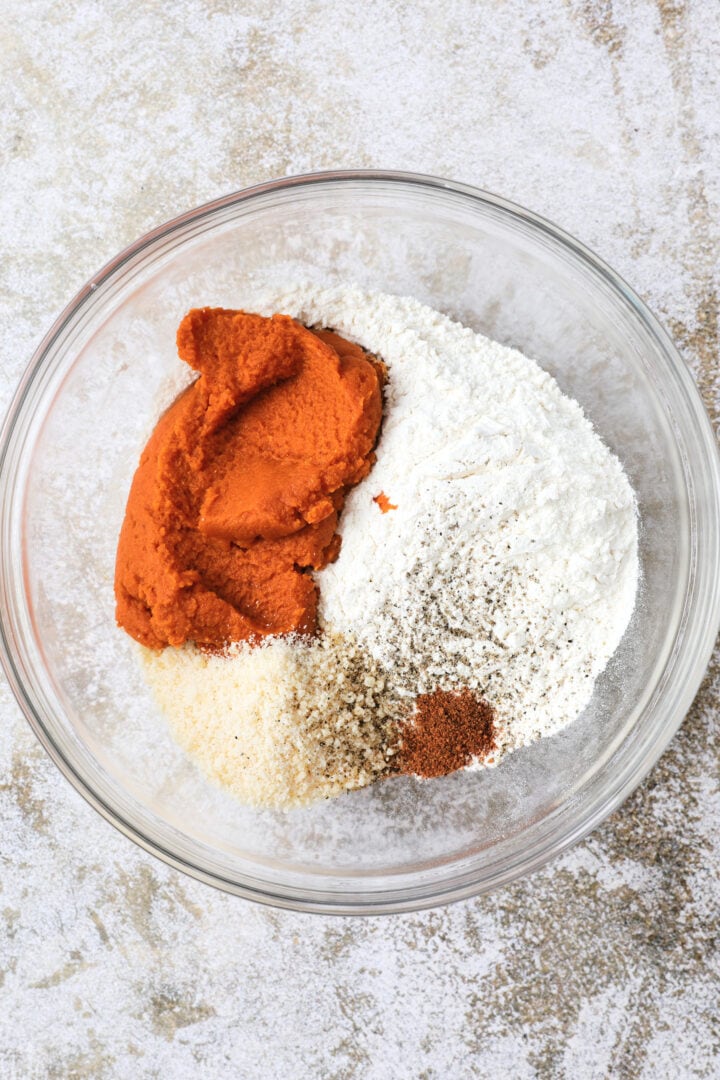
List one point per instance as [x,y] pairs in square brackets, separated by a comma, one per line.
[238,491]
[384,503]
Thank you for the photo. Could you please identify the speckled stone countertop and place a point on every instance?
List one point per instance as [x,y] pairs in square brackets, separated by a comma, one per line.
[603,116]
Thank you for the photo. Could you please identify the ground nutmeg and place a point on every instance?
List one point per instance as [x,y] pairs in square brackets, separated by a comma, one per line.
[448,730]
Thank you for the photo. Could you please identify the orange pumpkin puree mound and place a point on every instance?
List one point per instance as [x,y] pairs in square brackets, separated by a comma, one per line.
[238,491]
[384,503]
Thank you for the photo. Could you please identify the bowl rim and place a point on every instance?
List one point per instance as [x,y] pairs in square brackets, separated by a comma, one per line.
[467,884]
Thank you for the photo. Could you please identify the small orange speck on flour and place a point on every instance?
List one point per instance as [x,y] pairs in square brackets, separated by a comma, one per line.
[384,503]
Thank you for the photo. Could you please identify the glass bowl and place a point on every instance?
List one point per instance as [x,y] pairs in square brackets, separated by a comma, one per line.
[70,445]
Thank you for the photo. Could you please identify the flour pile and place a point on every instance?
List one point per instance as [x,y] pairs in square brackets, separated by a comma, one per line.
[508,566]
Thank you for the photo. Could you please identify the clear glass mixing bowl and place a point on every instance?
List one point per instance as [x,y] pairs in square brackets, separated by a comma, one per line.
[71,442]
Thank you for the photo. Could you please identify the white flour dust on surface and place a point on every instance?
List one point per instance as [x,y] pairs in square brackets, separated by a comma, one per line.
[509,564]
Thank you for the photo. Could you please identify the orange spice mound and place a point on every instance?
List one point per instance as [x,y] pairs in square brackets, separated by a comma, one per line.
[448,730]
[238,491]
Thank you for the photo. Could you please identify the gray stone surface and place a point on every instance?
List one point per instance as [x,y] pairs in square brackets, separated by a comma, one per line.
[602,115]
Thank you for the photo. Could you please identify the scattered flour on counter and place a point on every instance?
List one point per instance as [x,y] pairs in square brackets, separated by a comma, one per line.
[509,566]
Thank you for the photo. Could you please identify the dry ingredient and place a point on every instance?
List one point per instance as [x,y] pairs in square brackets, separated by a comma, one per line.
[283,724]
[448,731]
[510,565]
[475,617]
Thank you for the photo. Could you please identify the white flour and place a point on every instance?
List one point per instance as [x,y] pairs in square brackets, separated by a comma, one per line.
[510,564]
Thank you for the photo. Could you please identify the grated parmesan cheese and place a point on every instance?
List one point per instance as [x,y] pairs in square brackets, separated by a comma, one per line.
[282,724]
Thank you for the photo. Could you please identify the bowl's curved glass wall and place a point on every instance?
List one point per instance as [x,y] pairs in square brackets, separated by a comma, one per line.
[113,368]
